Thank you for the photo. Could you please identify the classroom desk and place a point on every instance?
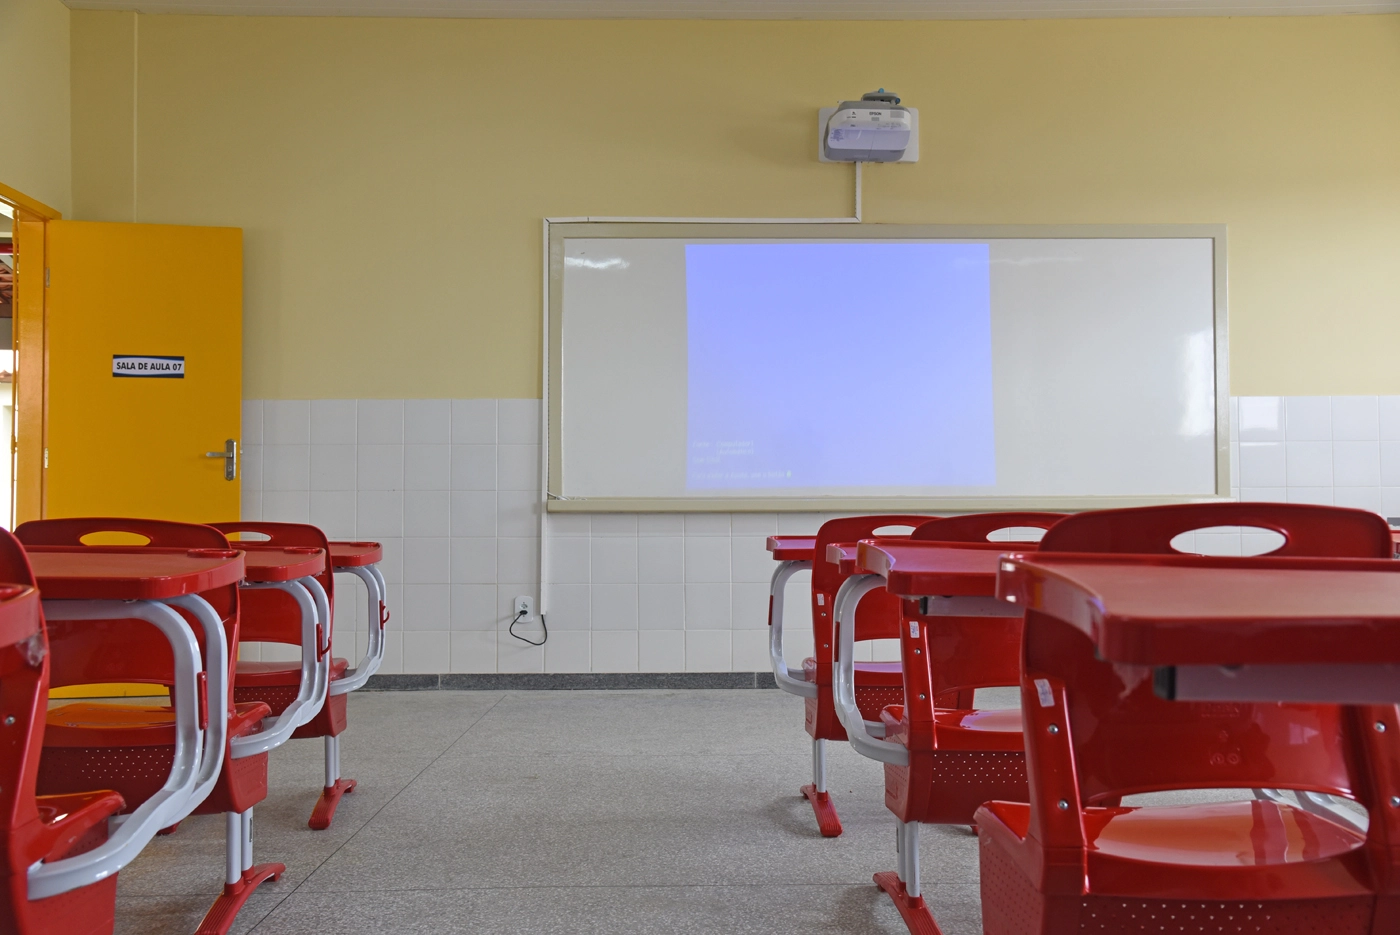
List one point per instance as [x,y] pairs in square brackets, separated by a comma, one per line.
[292,570]
[127,573]
[1395,541]
[1228,629]
[845,555]
[144,583]
[362,559]
[792,548]
[277,564]
[793,554]
[947,580]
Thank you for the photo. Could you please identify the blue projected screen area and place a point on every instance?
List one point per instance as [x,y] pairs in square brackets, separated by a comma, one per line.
[838,365]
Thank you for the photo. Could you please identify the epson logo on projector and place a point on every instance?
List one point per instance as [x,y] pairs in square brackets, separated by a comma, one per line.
[147,365]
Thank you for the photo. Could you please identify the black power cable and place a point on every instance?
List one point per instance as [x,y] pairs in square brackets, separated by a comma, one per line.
[511,630]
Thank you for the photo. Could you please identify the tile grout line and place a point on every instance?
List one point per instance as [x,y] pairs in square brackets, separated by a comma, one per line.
[392,799]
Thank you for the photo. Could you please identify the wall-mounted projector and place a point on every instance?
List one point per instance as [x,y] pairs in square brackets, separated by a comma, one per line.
[872,129]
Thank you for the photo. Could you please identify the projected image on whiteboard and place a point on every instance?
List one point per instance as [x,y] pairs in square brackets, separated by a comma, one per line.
[839,365]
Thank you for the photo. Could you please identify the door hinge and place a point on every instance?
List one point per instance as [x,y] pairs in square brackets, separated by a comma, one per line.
[46,459]
[46,277]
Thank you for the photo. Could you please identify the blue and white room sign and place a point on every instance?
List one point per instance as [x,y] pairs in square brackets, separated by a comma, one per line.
[148,365]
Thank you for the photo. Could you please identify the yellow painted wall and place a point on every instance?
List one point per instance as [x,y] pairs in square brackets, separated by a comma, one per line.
[104,125]
[34,103]
[391,174]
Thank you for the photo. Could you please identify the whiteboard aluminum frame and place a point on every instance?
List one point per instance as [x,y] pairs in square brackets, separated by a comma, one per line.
[557,231]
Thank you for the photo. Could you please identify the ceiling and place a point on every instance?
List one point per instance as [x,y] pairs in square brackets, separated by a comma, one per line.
[748,9]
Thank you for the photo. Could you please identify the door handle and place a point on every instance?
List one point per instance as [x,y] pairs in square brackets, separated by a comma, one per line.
[230,456]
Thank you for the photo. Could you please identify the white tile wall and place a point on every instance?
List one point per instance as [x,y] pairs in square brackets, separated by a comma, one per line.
[1343,450]
[451,487]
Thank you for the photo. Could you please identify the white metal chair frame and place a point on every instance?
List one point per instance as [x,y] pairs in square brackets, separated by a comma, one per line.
[315,610]
[198,753]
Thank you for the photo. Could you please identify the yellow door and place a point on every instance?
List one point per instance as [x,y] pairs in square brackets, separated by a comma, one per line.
[144,347]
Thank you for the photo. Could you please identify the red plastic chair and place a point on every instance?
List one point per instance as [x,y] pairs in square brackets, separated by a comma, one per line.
[877,683]
[35,828]
[268,617]
[951,757]
[1073,861]
[128,747]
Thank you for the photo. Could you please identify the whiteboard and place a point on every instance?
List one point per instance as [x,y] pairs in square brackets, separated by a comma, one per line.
[832,367]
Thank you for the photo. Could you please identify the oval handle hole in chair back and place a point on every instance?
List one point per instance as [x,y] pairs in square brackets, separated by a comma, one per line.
[115,537]
[248,536]
[894,530]
[1016,534]
[1229,540]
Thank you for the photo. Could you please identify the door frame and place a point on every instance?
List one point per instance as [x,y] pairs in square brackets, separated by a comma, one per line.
[30,342]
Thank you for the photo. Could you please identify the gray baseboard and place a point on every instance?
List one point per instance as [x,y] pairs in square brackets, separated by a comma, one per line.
[567,681]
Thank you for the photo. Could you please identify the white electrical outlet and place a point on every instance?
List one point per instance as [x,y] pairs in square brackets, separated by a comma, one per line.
[525,607]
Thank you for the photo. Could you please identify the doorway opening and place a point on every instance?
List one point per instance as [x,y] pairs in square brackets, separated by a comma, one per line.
[23,454]
[7,365]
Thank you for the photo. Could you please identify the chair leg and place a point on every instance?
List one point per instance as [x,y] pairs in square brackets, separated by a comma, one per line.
[335,788]
[909,831]
[233,849]
[827,819]
[903,885]
[246,830]
[241,877]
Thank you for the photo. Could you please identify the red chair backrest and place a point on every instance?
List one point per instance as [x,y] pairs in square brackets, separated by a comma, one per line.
[271,616]
[88,652]
[159,532]
[976,527]
[1307,530]
[1123,737]
[877,615]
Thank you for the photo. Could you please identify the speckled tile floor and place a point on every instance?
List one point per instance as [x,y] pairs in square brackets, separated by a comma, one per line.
[612,813]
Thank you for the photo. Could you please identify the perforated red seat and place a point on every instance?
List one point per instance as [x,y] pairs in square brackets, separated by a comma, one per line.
[877,684]
[129,748]
[276,684]
[280,674]
[1065,864]
[951,722]
[87,724]
[1183,838]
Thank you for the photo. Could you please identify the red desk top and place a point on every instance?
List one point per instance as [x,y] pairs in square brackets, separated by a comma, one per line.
[130,573]
[19,613]
[845,555]
[1164,610]
[278,563]
[355,554]
[842,555]
[793,548]
[931,569]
